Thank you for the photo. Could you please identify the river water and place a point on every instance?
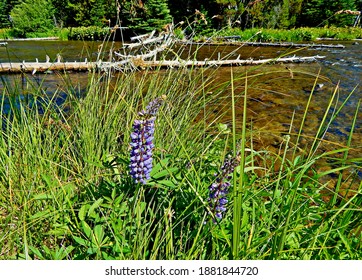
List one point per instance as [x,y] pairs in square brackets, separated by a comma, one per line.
[274,95]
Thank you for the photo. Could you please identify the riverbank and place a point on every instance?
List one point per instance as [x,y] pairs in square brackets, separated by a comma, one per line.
[92,33]
[281,35]
[31,39]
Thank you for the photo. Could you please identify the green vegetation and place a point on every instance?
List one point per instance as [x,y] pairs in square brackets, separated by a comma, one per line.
[291,35]
[30,17]
[90,33]
[66,191]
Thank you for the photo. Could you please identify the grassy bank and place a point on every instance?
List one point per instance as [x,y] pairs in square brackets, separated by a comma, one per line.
[66,191]
[292,35]
[8,33]
[91,33]
[264,35]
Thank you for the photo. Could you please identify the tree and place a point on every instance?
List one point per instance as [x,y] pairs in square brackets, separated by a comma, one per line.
[359,5]
[65,12]
[145,16]
[282,14]
[322,12]
[32,16]
[231,10]
[5,8]
[295,12]
[255,12]
[88,12]
[4,22]
[110,9]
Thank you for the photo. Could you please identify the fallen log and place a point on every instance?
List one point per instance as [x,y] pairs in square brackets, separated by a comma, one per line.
[233,62]
[145,42]
[143,36]
[150,54]
[33,39]
[295,45]
[132,64]
[42,67]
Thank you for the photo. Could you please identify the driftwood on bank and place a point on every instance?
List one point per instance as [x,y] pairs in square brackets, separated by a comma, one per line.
[44,67]
[295,45]
[264,44]
[33,39]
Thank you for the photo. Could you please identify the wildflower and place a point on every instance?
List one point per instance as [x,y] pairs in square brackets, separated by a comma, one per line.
[219,189]
[142,142]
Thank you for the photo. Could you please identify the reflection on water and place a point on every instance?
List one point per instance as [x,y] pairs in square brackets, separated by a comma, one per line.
[39,88]
[18,51]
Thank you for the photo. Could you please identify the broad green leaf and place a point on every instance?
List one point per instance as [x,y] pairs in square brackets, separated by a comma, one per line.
[164,173]
[94,206]
[86,229]
[81,241]
[159,166]
[62,252]
[167,183]
[82,212]
[99,235]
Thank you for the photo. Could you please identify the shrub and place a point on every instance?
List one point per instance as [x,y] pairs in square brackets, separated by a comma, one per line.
[32,16]
[91,33]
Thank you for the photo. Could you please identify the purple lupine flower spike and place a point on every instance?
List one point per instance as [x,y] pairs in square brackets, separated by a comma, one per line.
[219,189]
[142,142]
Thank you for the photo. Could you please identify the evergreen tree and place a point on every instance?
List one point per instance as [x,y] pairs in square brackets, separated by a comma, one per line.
[5,8]
[145,16]
[65,12]
[89,12]
[110,11]
[255,14]
[295,12]
[158,14]
[322,12]
[231,10]
[4,21]
[284,14]
[359,5]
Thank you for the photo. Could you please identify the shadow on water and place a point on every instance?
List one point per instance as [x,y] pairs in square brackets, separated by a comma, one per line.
[43,93]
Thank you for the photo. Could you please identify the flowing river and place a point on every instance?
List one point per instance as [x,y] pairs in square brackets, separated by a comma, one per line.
[273,97]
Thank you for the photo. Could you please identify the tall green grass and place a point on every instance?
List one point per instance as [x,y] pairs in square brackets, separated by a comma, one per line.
[65,190]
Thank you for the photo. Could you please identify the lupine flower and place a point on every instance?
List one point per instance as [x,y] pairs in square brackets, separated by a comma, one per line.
[219,189]
[142,142]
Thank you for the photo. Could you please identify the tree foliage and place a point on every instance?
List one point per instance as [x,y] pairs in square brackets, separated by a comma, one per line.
[5,7]
[322,12]
[145,15]
[32,16]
